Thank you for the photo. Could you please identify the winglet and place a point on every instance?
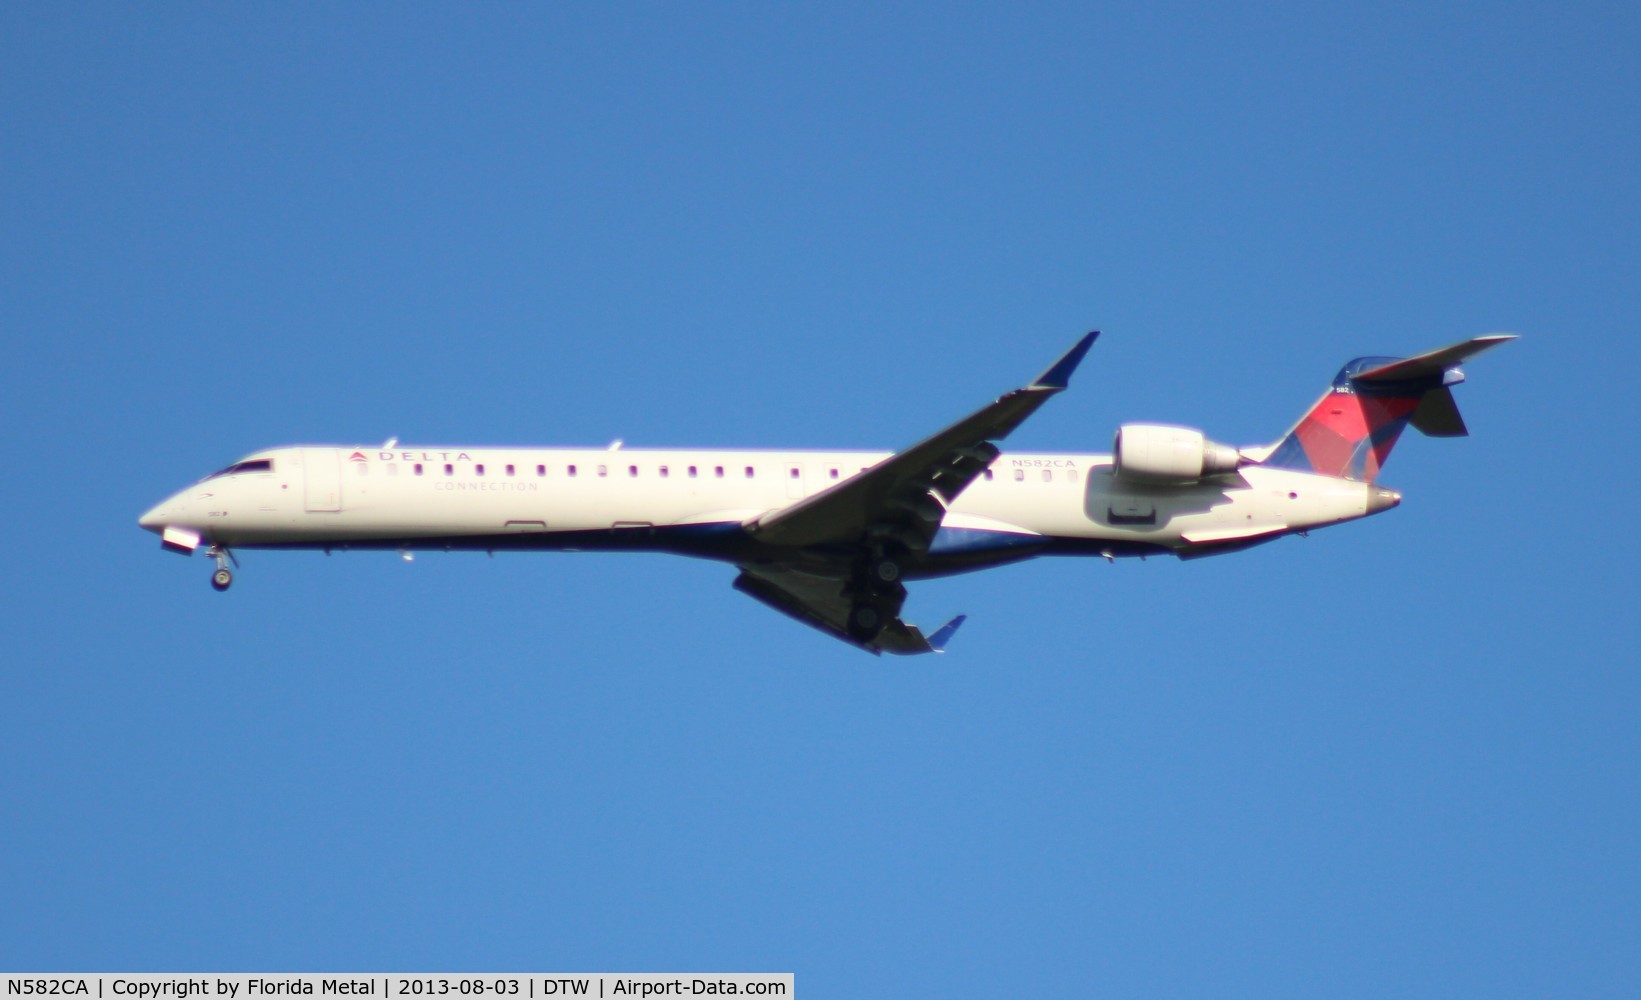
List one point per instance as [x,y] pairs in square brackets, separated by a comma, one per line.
[1058,375]
[944,633]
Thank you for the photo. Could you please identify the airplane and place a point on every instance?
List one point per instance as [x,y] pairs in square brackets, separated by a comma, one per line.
[831,538]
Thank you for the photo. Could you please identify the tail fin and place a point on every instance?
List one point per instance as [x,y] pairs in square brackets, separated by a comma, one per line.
[1348,434]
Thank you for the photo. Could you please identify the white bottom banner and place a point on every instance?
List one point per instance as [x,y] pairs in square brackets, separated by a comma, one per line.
[393,985]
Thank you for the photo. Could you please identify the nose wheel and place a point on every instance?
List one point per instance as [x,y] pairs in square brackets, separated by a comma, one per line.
[223,577]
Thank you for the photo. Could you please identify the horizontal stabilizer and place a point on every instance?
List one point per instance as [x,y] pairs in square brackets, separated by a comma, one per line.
[1434,363]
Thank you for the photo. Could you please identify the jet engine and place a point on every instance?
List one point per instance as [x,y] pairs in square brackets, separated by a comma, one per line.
[1162,453]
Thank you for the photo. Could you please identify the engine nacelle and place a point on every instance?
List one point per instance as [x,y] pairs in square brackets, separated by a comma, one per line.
[1162,453]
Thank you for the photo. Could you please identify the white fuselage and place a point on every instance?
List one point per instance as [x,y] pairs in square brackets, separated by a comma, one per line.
[829,538]
[707,502]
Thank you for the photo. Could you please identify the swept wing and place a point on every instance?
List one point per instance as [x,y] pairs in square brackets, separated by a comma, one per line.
[906,494]
[894,507]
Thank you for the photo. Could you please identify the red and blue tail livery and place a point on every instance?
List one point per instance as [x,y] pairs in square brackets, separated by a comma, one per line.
[1350,431]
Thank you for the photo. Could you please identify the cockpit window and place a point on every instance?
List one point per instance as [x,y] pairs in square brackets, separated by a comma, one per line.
[255,465]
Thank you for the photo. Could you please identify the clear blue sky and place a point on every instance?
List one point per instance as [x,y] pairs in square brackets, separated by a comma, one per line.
[1398,757]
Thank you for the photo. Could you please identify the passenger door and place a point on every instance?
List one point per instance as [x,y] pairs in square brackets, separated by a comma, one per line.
[322,473]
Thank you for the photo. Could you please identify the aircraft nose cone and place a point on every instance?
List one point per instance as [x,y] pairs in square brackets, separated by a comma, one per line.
[155,518]
[1382,499]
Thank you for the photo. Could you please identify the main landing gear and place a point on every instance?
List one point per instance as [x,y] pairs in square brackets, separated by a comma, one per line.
[223,578]
[883,570]
[878,595]
[865,621]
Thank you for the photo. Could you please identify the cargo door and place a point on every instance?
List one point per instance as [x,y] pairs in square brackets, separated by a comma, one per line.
[1128,509]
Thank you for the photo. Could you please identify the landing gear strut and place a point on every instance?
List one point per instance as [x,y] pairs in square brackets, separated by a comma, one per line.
[878,595]
[223,577]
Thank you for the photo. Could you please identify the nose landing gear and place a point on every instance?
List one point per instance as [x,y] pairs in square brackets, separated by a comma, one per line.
[223,577]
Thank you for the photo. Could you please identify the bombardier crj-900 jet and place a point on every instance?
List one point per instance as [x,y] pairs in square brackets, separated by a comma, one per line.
[832,537]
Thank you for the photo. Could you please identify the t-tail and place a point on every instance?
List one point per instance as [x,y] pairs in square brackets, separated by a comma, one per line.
[1348,434]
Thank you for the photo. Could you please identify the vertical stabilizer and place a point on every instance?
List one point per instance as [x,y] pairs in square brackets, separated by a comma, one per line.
[1351,430]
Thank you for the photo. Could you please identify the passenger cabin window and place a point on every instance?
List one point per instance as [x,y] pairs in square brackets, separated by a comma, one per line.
[510,470]
[793,472]
[418,468]
[692,472]
[449,470]
[749,472]
[392,469]
[479,469]
[570,470]
[1071,475]
[603,470]
[663,470]
[1019,475]
[718,471]
[1048,475]
[541,470]
[988,474]
[632,470]
[832,473]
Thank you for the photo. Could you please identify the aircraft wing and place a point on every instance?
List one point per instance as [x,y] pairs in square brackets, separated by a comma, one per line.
[822,602]
[904,497]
